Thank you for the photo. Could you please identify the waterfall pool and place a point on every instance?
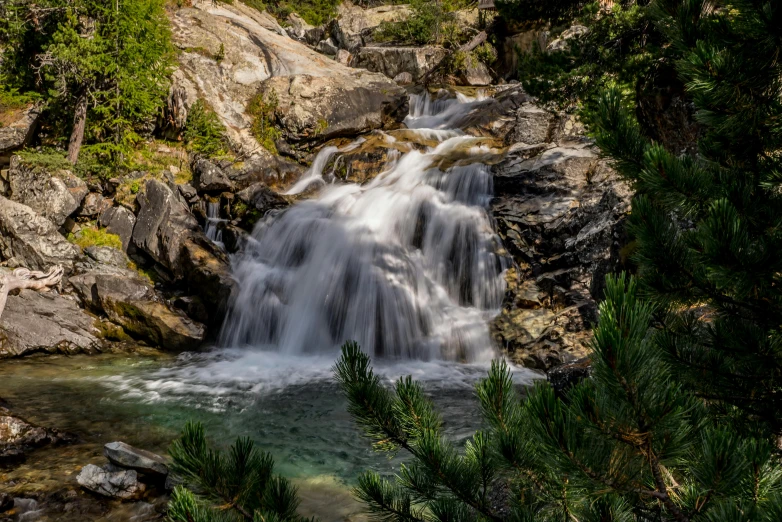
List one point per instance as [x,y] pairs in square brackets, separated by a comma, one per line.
[289,405]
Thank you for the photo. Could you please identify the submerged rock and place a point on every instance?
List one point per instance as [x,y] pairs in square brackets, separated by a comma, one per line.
[110,481]
[17,437]
[143,461]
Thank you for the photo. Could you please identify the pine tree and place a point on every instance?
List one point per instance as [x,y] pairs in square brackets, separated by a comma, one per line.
[708,226]
[238,487]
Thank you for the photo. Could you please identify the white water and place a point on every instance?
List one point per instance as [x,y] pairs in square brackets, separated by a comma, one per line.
[212,228]
[405,265]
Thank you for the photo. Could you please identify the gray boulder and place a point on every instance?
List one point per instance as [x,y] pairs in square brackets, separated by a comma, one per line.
[54,196]
[119,221]
[208,177]
[19,132]
[475,74]
[33,322]
[392,61]
[108,256]
[297,27]
[533,125]
[262,198]
[126,456]
[31,240]
[93,205]
[111,482]
[328,47]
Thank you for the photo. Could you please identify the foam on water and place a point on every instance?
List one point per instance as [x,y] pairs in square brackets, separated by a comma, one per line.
[406,265]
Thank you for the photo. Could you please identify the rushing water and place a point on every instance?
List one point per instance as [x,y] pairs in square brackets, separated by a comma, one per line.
[406,265]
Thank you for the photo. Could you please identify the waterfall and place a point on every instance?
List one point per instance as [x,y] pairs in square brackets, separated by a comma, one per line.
[407,264]
[212,227]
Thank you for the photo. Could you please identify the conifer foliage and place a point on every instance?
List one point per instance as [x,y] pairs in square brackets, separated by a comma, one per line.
[708,226]
[237,487]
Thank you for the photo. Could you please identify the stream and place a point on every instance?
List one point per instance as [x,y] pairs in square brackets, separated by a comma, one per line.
[406,264]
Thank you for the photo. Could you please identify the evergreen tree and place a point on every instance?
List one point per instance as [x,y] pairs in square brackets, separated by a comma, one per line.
[238,487]
[708,226]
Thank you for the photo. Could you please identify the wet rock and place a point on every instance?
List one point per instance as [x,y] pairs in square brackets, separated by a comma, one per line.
[208,177]
[119,221]
[392,61]
[560,212]
[111,482]
[54,196]
[274,171]
[565,376]
[33,322]
[262,198]
[32,240]
[126,456]
[93,205]
[17,132]
[17,437]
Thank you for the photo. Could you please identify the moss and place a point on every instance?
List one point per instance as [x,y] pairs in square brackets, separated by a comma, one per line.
[94,236]
[321,126]
[110,331]
[146,273]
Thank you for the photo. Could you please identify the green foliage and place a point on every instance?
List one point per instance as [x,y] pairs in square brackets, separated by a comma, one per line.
[314,12]
[204,133]
[94,236]
[535,10]
[621,47]
[485,53]
[237,486]
[707,225]
[431,22]
[262,109]
[628,444]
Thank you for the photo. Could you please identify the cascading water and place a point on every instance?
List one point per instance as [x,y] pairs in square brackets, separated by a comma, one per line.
[406,265]
[212,228]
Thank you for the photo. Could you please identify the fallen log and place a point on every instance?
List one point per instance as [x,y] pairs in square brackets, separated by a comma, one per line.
[21,279]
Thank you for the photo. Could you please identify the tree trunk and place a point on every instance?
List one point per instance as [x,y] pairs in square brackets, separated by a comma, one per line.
[79,123]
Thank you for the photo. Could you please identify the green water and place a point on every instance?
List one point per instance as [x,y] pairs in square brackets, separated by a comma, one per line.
[289,405]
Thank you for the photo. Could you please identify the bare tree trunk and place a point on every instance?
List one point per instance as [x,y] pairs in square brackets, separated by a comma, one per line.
[22,278]
[79,123]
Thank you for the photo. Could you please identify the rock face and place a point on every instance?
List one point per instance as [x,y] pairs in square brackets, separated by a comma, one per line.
[393,61]
[33,322]
[31,240]
[17,132]
[208,177]
[119,221]
[560,211]
[110,481]
[312,88]
[53,196]
[126,456]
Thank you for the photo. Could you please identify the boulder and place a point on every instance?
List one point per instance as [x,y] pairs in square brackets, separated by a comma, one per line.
[262,198]
[208,177]
[126,456]
[18,437]
[315,109]
[354,25]
[93,205]
[256,50]
[392,61]
[120,221]
[343,57]
[562,43]
[108,256]
[54,196]
[33,322]
[533,125]
[16,129]
[111,482]
[475,73]
[403,78]
[30,240]
[297,27]
[328,47]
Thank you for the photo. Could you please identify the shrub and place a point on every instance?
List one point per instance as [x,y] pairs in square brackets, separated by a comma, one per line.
[94,236]
[204,133]
[262,108]
[535,10]
[431,22]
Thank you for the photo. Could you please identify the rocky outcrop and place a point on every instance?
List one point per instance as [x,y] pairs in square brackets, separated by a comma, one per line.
[46,323]
[111,481]
[32,241]
[318,98]
[53,195]
[559,210]
[393,61]
[16,130]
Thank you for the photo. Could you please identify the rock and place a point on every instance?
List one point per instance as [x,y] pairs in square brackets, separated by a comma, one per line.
[475,73]
[276,172]
[17,130]
[32,240]
[262,198]
[208,177]
[297,27]
[93,205]
[54,196]
[119,221]
[560,212]
[18,437]
[355,25]
[328,47]
[315,109]
[6,502]
[189,193]
[561,43]
[516,46]
[392,61]
[257,50]
[565,376]
[343,57]
[33,322]
[111,482]
[108,256]
[126,456]
[403,78]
